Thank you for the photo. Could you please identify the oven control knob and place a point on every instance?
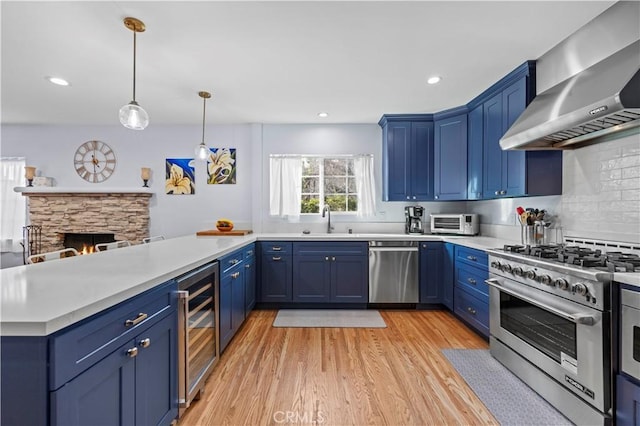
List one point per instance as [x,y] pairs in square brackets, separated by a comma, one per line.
[580,288]
[518,271]
[531,274]
[545,279]
[561,283]
[506,268]
[495,264]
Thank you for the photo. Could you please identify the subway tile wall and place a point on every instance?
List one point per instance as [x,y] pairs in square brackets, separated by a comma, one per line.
[601,190]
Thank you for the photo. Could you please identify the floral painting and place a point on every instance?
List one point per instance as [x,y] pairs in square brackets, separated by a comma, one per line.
[180,176]
[221,166]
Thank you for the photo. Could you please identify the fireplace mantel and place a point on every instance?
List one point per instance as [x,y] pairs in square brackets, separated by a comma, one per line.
[60,190]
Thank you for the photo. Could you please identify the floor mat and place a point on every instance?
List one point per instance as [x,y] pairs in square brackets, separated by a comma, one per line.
[508,398]
[359,318]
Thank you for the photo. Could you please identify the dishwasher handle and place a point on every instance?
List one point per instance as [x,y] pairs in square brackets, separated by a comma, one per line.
[394,249]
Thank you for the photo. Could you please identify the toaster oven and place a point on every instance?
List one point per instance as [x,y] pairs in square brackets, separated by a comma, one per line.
[459,224]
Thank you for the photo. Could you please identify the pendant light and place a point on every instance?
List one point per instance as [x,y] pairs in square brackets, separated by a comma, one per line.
[132,115]
[202,150]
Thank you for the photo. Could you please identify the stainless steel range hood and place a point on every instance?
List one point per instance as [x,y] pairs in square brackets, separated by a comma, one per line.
[583,109]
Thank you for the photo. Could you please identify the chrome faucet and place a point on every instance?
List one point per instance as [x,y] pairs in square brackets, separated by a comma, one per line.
[327,210]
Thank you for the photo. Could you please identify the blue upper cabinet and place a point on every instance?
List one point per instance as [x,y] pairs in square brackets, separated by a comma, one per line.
[407,160]
[508,173]
[474,153]
[450,155]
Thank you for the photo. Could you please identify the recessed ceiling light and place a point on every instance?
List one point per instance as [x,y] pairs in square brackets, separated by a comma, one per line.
[433,80]
[323,114]
[57,80]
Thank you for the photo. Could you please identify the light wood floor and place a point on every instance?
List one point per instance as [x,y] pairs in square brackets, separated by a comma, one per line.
[342,376]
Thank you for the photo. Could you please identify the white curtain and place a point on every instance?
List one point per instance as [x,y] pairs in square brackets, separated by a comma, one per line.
[365,185]
[285,186]
[12,204]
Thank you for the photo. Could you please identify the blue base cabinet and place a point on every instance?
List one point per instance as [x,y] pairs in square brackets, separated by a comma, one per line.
[448,273]
[275,271]
[471,293]
[102,370]
[330,272]
[407,157]
[233,282]
[249,279]
[430,273]
[627,402]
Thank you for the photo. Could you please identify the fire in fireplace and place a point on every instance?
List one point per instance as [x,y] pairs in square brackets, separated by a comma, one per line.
[85,242]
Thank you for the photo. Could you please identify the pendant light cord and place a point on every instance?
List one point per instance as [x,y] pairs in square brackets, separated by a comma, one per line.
[134,65]
[204,108]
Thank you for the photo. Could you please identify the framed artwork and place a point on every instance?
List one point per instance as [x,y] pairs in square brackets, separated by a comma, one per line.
[221,166]
[180,174]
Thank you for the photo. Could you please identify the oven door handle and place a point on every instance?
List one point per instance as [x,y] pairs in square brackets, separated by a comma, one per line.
[575,318]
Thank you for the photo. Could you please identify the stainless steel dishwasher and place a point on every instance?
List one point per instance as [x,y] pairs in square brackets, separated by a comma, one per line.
[393,272]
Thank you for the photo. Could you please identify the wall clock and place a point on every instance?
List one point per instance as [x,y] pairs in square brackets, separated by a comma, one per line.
[94,161]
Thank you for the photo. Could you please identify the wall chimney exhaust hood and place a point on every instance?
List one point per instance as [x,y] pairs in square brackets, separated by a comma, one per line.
[583,109]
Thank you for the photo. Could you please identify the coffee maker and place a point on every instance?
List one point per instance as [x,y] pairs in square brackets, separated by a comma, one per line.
[413,220]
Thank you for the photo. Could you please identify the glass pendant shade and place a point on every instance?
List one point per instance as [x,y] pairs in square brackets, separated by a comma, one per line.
[202,152]
[133,116]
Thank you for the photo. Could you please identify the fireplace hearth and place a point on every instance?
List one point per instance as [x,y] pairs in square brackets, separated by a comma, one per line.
[85,242]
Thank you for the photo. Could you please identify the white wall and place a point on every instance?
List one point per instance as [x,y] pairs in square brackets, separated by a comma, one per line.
[51,150]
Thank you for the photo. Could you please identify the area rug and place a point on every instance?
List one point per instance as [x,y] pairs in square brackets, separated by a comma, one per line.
[360,318]
[508,398]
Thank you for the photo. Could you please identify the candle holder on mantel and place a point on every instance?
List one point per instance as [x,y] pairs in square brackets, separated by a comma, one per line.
[29,174]
[145,174]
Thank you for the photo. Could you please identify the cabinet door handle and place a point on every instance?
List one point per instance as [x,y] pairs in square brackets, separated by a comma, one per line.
[436,197]
[250,252]
[503,192]
[137,320]
[235,275]
[326,258]
[247,266]
[132,353]
[276,248]
[144,343]
[414,197]
[471,310]
[333,258]
[472,258]
[276,258]
[471,281]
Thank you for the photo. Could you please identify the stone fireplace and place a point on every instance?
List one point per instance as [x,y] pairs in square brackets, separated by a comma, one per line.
[125,215]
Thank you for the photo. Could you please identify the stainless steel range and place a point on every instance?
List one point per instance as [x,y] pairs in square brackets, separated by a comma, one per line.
[550,322]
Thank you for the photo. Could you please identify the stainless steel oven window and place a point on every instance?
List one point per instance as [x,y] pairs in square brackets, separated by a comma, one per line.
[550,334]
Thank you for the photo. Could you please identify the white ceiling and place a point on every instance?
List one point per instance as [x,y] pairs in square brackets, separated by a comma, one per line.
[268,62]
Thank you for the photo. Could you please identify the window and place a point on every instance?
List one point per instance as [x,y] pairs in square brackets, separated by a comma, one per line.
[13,205]
[328,181]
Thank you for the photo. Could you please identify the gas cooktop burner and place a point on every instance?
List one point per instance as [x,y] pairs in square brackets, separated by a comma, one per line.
[580,256]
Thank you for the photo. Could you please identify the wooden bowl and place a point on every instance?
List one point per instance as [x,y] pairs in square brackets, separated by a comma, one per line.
[224,228]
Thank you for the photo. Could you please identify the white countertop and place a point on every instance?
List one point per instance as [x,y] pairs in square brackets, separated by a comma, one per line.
[632,278]
[40,299]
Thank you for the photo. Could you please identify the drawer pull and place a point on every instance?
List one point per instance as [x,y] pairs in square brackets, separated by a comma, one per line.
[247,266]
[276,248]
[333,258]
[276,258]
[235,275]
[326,258]
[234,261]
[144,343]
[250,252]
[137,320]
[471,281]
[472,258]
[471,310]
[132,353]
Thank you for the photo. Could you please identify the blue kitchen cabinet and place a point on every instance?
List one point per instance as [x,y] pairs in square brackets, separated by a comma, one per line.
[407,157]
[627,402]
[232,297]
[448,274]
[450,155]
[510,173]
[334,272]
[430,275]
[471,293]
[249,279]
[125,387]
[276,271]
[474,153]
[118,366]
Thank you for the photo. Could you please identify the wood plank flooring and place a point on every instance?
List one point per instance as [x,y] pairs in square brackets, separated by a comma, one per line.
[342,376]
